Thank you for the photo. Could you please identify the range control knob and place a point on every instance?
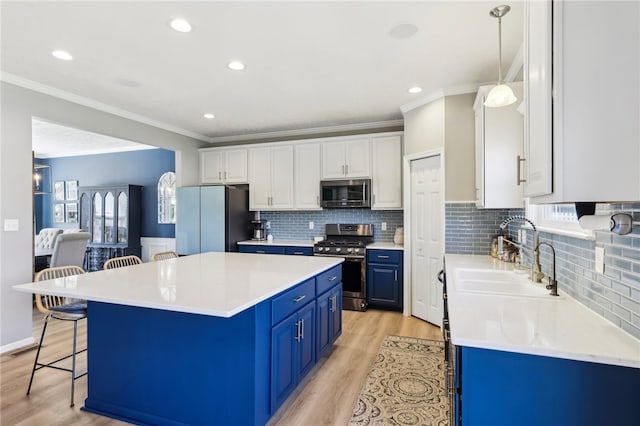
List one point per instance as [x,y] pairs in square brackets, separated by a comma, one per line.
[357,250]
[338,249]
[350,250]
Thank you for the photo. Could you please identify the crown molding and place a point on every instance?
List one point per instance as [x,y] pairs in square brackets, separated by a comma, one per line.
[438,94]
[81,100]
[308,132]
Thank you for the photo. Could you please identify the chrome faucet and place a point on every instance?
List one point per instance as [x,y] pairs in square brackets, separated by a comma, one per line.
[536,269]
[553,283]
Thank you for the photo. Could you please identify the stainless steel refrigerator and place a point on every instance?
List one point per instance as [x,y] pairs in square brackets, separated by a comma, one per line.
[211,218]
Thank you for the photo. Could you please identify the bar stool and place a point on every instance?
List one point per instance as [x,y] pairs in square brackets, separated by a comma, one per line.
[60,308]
[165,255]
[119,262]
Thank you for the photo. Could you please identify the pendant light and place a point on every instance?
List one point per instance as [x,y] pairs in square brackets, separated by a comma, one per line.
[501,94]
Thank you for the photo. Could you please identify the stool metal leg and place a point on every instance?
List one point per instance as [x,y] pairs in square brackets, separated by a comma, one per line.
[35,363]
[73,361]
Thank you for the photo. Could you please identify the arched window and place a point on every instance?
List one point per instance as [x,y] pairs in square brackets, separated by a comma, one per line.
[167,198]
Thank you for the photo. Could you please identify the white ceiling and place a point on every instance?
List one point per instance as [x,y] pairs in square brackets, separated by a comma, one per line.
[308,64]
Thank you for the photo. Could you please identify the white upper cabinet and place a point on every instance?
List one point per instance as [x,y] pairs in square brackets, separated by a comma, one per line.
[271,178]
[499,137]
[223,166]
[386,179]
[582,91]
[346,159]
[307,176]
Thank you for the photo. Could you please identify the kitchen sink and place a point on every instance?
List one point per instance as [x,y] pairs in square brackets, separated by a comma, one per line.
[503,283]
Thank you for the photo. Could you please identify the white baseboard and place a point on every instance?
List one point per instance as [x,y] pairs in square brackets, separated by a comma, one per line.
[17,345]
[152,245]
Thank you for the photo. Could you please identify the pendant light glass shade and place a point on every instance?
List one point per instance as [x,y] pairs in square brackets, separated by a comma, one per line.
[501,95]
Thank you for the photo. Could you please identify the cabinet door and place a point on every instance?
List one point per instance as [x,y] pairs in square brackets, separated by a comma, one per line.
[384,286]
[259,178]
[282,177]
[357,158]
[538,146]
[307,339]
[307,176]
[235,170]
[323,339]
[284,365]
[333,160]
[335,311]
[387,173]
[212,167]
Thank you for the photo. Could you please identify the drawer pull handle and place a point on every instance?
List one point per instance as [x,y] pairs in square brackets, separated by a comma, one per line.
[298,252]
[333,278]
[299,298]
[260,251]
[382,257]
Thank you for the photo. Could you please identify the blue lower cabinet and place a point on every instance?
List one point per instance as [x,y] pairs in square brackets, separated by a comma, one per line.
[329,319]
[298,251]
[245,248]
[506,388]
[384,279]
[292,352]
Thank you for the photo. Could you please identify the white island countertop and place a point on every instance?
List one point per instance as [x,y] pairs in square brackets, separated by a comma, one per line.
[536,324]
[216,284]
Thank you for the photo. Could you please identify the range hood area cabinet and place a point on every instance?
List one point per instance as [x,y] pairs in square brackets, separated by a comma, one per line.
[346,159]
[582,101]
[223,166]
[499,138]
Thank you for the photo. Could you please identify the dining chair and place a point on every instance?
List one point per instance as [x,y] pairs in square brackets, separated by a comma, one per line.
[70,249]
[119,262]
[46,238]
[165,255]
[60,308]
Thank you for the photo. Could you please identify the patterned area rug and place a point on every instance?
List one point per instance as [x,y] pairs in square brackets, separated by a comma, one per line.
[406,385]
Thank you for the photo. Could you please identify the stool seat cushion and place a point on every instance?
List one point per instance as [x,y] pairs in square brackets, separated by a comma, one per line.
[71,308]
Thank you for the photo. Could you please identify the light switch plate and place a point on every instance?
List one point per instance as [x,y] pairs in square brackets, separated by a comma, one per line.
[11,225]
[600,260]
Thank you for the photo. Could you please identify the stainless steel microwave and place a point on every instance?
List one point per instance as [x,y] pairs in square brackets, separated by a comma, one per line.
[346,193]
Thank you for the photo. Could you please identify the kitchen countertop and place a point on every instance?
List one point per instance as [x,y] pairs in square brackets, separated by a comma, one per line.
[298,243]
[384,246]
[559,327]
[215,284]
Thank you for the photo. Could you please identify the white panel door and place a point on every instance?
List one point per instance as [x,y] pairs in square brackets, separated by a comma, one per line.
[427,230]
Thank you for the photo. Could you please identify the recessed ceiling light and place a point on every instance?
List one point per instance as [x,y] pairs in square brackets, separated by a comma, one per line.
[209,116]
[415,89]
[402,31]
[62,54]
[235,65]
[180,25]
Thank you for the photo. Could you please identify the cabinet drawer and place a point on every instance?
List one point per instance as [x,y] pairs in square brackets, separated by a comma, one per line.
[261,249]
[299,251]
[384,256]
[288,302]
[328,279]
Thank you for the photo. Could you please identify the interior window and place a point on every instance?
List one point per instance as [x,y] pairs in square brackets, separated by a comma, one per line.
[167,198]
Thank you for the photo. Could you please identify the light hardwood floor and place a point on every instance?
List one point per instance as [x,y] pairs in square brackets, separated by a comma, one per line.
[326,397]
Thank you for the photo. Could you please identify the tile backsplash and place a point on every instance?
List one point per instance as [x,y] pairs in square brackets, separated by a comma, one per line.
[294,225]
[469,230]
[614,295]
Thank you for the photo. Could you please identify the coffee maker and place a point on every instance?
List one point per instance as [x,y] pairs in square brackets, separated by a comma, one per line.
[259,230]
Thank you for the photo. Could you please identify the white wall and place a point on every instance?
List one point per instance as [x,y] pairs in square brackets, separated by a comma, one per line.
[447,122]
[18,106]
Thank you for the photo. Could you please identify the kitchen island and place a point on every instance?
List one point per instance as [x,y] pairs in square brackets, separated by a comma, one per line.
[192,340]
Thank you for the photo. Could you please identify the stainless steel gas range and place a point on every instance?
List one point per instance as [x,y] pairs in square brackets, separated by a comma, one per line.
[349,241]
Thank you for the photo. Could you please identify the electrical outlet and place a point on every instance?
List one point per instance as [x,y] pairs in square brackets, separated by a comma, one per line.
[268,225]
[383,226]
[310,224]
[599,260]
